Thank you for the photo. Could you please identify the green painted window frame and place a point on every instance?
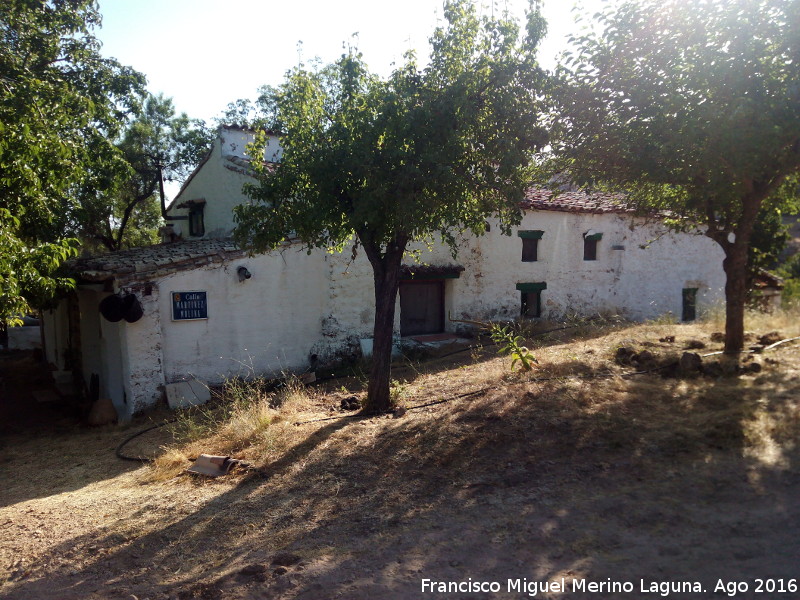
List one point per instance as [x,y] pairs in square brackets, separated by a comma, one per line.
[530,234]
[531,292]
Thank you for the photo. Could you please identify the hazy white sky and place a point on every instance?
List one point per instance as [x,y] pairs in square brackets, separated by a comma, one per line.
[207,53]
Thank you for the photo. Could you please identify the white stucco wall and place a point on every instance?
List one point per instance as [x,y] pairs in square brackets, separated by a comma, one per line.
[142,355]
[56,335]
[642,280]
[126,357]
[636,282]
[300,309]
[233,142]
[266,324]
[27,337]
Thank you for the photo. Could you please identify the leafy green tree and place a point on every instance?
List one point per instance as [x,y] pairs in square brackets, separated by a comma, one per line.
[693,107]
[61,104]
[769,239]
[253,115]
[156,146]
[427,151]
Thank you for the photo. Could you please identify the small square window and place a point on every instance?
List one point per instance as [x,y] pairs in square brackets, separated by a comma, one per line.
[530,248]
[196,225]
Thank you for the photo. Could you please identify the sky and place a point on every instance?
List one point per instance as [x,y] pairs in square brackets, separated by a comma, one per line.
[207,53]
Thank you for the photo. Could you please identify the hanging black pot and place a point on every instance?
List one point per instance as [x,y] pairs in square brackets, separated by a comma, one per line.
[131,308]
[111,308]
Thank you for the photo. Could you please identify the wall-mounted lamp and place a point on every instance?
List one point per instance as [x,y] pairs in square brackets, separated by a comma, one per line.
[243,274]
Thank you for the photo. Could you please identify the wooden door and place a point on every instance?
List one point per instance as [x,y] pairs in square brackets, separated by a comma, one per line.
[421,307]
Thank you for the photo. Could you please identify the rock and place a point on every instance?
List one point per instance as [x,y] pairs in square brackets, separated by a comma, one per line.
[644,358]
[753,367]
[624,355]
[350,403]
[399,412]
[770,338]
[718,337]
[695,345]
[285,559]
[187,393]
[280,571]
[667,339]
[102,412]
[690,363]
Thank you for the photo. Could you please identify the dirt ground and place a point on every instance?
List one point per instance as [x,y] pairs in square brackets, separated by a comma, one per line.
[538,479]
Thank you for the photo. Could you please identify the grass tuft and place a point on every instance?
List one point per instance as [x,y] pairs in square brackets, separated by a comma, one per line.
[244,421]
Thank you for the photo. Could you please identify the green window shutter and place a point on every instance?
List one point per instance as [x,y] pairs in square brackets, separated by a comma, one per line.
[532,287]
[595,236]
[531,234]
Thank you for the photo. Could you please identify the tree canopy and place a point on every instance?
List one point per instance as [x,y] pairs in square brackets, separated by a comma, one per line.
[157,145]
[693,107]
[381,163]
[61,105]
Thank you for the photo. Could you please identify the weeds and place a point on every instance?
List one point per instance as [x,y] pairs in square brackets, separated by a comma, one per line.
[511,344]
[244,418]
[397,389]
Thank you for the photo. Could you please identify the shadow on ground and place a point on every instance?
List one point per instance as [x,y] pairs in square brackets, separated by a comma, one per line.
[585,479]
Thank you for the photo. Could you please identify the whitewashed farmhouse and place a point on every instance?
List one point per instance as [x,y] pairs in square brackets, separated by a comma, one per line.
[206,310]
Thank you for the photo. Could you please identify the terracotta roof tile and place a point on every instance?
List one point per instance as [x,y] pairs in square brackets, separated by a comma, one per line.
[596,203]
[152,261]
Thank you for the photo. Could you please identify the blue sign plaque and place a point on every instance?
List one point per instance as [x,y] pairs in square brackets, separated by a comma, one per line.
[189,306]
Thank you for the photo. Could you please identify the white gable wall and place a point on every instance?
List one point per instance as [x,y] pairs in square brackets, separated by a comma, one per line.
[219,182]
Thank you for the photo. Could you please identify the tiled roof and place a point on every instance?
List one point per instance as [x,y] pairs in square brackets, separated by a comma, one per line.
[596,203]
[153,261]
[764,279]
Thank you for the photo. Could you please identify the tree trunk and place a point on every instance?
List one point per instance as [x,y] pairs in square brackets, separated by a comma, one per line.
[386,274]
[735,266]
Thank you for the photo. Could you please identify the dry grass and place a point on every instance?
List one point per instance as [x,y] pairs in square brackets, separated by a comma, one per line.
[577,385]
[244,421]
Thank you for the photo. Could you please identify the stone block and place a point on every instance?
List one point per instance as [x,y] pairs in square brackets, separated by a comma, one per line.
[187,393]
